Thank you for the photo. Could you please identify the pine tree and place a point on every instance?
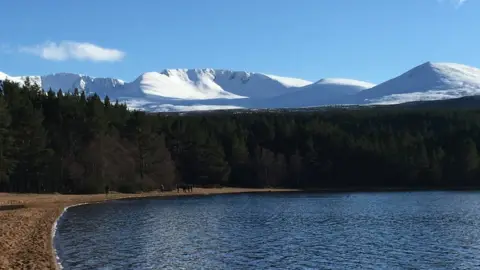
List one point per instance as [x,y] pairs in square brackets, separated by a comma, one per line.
[296,169]
[97,121]
[263,164]
[436,166]
[157,162]
[239,151]
[154,163]
[210,164]
[239,161]
[6,144]
[31,154]
[106,102]
[468,161]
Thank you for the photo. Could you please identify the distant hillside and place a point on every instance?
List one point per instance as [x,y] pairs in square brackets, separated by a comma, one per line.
[469,102]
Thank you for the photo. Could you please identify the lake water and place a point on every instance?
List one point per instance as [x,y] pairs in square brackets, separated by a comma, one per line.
[404,230]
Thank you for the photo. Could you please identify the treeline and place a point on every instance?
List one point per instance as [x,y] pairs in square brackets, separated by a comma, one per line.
[73,143]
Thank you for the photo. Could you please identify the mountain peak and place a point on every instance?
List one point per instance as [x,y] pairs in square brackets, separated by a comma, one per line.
[346,82]
[428,63]
[427,81]
[220,88]
[444,74]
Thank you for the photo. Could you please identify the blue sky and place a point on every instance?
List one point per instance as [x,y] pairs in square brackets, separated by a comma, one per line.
[369,40]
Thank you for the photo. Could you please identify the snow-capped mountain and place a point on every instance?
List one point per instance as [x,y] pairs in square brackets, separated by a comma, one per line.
[322,92]
[212,84]
[429,81]
[69,81]
[209,89]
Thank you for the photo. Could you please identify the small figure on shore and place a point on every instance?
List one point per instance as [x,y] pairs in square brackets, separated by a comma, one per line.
[107,190]
[185,187]
[162,188]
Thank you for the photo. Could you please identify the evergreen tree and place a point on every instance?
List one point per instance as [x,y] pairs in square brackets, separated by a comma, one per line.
[106,102]
[6,145]
[239,161]
[31,153]
[468,161]
[97,121]
[154,163]
[296,170]
[210,164]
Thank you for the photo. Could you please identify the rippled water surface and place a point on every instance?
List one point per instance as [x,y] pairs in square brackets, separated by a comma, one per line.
[419,230]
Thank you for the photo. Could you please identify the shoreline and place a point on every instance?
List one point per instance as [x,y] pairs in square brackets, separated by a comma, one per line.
[29,221]
[392,189]
[55,258]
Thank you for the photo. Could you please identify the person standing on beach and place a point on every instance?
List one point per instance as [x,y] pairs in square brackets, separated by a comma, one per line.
[107,190]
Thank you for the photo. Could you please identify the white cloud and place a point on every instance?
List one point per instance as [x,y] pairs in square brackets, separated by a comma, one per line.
[67,50]
[457,3]
[5,48]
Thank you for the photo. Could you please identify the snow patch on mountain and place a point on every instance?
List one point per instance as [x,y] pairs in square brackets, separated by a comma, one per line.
[256,85]
[349,86]
[289,82]
[4,76]
[69,81]
[322,92]
[154,107]
[180,84]
[214,84]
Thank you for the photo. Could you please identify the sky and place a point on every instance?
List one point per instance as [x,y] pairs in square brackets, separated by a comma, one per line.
[370,40]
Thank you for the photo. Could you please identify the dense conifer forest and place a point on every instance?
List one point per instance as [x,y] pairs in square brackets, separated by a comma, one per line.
[73,143]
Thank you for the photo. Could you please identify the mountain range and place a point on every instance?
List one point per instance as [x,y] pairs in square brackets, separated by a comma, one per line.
[210,89]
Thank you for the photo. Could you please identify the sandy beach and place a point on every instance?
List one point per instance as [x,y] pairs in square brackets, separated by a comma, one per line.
[26,222]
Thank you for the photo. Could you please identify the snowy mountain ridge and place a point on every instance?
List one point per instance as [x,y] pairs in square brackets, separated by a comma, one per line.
[428,81]
[209,89]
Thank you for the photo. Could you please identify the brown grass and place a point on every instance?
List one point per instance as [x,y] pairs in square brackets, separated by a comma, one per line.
[26,222]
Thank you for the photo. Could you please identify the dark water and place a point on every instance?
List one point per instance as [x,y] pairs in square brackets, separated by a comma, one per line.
[410,230]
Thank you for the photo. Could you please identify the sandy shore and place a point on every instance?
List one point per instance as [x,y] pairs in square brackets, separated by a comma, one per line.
[26,222]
